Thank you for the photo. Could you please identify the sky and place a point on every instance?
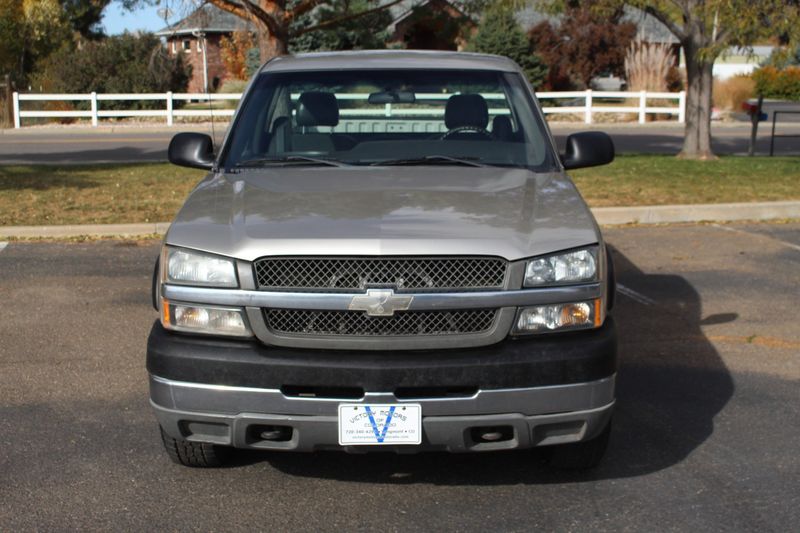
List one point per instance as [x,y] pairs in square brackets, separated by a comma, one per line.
[117,20]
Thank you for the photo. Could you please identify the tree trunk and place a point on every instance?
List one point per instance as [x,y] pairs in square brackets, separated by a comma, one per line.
[271,45]
[704,132]
[699,78]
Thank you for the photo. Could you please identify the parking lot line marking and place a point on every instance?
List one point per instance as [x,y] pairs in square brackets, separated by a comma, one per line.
[752,234]
[635,296]
[3,246]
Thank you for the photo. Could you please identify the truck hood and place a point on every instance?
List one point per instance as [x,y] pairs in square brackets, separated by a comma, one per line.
[418,210]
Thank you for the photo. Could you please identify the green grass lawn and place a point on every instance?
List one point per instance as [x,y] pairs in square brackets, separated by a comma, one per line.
[663,180]
[124,193]
[98,194]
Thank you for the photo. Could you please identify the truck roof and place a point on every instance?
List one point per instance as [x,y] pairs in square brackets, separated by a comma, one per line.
[389,59]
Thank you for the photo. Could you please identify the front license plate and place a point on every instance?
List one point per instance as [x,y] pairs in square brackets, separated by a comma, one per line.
[361,424]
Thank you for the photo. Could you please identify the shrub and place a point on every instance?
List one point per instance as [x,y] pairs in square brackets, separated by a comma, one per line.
[782,57]
[498,33]
[253,61]
[234,52]
[676,79]
[582,46]
[781,84]
[121,64]
[647,66]
[729,94]
[59,105]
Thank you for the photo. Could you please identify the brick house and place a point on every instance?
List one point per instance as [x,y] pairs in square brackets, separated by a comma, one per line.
[208,25]
[429,25]
[421,24]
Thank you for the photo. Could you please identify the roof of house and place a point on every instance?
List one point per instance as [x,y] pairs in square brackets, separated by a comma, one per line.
[405,9]
[650,29]
[208,19]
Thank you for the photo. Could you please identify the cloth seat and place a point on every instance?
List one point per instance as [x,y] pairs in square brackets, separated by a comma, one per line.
[502,130]
[314,109]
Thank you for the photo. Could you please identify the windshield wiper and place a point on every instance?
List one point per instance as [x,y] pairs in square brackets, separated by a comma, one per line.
[266,161]
[432,159]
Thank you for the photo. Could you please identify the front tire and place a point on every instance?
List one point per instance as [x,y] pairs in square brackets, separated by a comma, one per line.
[581,455]
[194,454]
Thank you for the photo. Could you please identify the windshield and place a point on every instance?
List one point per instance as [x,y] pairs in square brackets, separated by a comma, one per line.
[388,117]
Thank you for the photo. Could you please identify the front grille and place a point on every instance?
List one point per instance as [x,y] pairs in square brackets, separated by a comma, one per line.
[359,324]
[418,274]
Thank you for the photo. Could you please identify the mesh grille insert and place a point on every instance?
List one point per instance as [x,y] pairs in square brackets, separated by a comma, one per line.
[359,324]
[420,274]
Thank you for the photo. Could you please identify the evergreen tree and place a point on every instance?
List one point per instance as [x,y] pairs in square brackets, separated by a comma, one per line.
[85,16]
[498,33]
[363,33]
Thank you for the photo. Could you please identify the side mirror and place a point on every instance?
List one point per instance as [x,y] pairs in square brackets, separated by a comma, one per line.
[588,149]
[194,150]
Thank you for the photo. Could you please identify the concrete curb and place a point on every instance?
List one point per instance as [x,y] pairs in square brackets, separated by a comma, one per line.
[663,214]
[606,216]
[94,230]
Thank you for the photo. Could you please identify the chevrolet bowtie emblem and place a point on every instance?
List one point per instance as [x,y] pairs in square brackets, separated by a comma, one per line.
[380,302]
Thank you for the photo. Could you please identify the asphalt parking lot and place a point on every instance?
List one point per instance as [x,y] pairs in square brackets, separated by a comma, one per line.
[705,437]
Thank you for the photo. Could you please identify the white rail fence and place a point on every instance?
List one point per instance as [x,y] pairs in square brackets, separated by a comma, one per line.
[589,107]
[578,102]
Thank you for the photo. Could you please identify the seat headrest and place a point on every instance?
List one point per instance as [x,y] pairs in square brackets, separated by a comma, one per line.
[317,109]
[466,110]
[501,127]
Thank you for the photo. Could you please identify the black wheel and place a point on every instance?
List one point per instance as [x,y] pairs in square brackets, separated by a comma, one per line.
[196,454]
[581,455]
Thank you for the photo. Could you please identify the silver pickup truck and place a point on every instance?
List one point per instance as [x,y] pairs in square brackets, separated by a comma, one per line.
[386,254]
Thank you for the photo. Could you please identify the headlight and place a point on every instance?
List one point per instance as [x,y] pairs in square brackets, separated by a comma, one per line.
[560,317]
[204,319]
[195,268]
[572,267]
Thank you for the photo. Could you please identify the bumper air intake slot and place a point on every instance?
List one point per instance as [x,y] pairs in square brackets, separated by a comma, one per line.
[300,391]
[410,393]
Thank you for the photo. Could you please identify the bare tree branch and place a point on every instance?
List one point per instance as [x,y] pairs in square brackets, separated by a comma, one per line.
[722,35]
[664,19]
[683,6]
[345,18]
[248,10]
[303,7]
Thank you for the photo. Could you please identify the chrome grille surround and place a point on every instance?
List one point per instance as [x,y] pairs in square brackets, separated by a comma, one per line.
[359,324]
[419,274]
[505,300]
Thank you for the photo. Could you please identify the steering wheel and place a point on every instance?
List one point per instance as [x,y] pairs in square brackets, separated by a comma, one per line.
[467,129]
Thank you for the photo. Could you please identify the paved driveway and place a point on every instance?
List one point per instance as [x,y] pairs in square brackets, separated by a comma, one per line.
[705,434]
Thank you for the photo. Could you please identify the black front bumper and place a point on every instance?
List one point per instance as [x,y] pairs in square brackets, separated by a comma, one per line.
[556,359]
